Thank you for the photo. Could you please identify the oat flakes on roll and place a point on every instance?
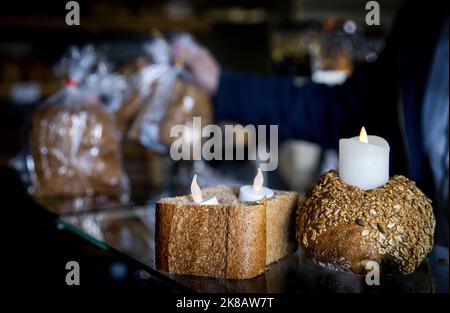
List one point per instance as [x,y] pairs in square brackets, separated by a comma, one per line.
[342,227]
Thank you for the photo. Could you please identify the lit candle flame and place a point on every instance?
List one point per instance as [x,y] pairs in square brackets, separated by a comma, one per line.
[258,181]
[196,191]
[363,135]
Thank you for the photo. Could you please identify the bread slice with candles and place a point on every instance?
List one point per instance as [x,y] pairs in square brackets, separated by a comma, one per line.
[229,238]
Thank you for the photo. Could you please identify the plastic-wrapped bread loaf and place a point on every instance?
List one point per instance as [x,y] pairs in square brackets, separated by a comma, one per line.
[75,151]
[73,144]
[187,101]
[162,109]
[169,98]
[128,110]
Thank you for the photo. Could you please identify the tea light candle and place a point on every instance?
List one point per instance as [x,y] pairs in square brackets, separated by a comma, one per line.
[257,191]
[364,161]
[197,194]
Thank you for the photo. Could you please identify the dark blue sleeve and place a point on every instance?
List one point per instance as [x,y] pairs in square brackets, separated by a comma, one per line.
[312,112]
[319,113]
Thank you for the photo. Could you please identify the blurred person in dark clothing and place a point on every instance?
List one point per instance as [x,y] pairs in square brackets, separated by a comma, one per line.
[403,97]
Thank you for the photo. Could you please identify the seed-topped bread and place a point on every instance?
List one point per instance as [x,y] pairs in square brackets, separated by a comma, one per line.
[234,240]
[342,226]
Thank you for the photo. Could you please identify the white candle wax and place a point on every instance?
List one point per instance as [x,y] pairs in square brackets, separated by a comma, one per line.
[364,165]
[248,193]
[210,201]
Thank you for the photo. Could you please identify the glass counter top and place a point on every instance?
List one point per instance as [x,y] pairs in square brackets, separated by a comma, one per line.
[131,231]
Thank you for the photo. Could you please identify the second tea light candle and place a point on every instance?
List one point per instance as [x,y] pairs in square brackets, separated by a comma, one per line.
[257,191]
[364,161]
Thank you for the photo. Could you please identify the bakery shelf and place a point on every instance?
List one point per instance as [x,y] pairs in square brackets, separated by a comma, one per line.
[127,24]
[45,88]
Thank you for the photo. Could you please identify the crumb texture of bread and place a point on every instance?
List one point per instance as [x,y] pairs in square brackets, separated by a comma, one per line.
[342,227]
[229,240]
[203,230]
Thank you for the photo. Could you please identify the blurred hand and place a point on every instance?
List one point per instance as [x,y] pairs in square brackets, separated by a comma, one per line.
[204,68]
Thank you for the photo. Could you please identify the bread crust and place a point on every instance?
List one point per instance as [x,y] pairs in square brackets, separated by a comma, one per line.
[280,216]
[163,225]
[246,242]
[223,241]
[342,227]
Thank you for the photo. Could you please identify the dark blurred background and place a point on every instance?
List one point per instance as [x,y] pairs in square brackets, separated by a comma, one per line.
[301,39]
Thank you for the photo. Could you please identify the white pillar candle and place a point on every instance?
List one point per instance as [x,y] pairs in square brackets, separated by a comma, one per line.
[197,194]
[364,161]
[257,191]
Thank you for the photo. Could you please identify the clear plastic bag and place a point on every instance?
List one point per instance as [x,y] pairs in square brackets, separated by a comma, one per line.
[73,141]
[168,99]
[111,88]
[142,72]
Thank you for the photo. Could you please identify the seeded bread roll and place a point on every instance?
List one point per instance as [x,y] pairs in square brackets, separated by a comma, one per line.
[233,240]
[342,226]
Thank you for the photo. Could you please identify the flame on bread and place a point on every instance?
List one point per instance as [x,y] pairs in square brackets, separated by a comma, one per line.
[196,191]
[258,181]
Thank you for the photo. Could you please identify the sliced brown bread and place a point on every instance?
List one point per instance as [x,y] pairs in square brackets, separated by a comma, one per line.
[234,240]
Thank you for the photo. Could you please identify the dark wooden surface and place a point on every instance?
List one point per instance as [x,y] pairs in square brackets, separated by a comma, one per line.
[130,230]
